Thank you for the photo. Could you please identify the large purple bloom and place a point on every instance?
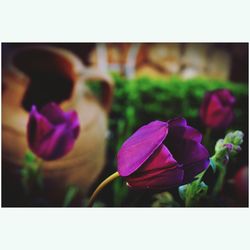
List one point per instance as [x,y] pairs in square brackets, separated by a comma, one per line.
[217,109]
[161,155]
[52,132]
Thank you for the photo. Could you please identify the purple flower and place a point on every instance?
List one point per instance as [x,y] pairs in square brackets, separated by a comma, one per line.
[52,132]
[162,155]
[217,109]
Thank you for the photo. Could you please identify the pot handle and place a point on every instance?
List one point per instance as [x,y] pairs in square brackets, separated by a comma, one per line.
[14,86]
[107,86]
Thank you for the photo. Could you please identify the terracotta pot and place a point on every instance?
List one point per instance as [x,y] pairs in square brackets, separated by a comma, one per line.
[42,74]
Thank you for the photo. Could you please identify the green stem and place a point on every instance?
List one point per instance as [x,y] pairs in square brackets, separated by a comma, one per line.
[220,179]
[101,186]
[188,200]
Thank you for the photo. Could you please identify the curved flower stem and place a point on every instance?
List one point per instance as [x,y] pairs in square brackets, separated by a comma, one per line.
[101,186]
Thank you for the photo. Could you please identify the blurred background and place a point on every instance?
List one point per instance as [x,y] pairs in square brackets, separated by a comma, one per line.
[224,61]
[151,81]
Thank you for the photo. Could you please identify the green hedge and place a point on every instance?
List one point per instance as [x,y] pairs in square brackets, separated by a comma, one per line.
[142,100]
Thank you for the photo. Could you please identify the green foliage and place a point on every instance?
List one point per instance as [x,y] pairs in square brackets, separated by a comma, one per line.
[164,199]
[193,192]
[70,195]
[225,149]
[30,173]
[164,99]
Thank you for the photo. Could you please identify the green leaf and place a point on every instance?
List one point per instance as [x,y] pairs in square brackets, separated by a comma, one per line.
[202,189]
[29,157]
[70,195]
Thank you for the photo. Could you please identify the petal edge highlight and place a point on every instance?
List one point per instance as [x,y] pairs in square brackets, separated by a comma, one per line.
[140,146]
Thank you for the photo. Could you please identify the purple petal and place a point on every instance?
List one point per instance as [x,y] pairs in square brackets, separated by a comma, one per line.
[184,144]
[57,145]
[179,121]
[53,113]
[159,180]
[217,115]
[225,97]
[161,158]
[73,122]
[140,146]
[193,169]
[186,151]
[214,105]
[38,127]
[160,171]
[185,132]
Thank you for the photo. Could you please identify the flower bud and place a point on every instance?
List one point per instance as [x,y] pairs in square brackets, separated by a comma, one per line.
[51,132]
[238,137]
[229,137]
[229,147]
[219,145]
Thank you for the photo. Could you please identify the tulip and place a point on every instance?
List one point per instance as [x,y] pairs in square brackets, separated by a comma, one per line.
[216,110]
[160,155]
[52,132]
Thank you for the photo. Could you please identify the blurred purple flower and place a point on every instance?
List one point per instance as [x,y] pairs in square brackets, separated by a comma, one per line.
[162,155]
[52,132]
[217,109]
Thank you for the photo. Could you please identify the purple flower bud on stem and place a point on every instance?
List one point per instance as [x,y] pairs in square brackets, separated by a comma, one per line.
[229,147]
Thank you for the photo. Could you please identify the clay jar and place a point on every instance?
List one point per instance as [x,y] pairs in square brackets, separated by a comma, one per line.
[38,75]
